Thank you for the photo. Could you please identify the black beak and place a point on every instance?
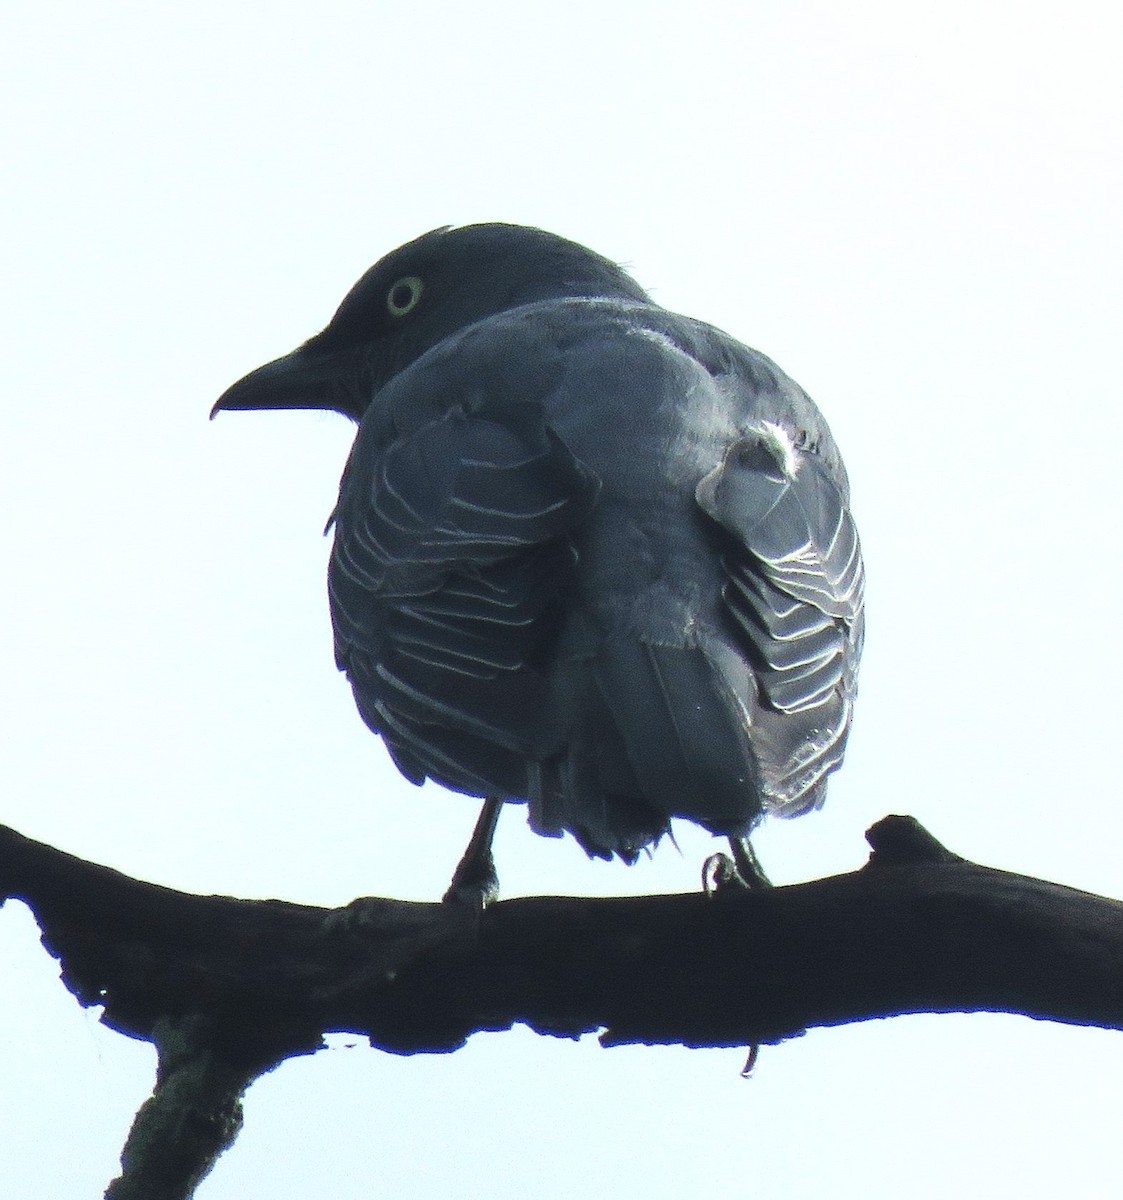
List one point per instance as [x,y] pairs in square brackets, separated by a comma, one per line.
[306,378]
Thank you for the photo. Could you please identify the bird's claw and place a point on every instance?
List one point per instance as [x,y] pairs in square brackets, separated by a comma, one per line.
[476,896]
[750,1061]
[358,918]
[719,874]
[477,887]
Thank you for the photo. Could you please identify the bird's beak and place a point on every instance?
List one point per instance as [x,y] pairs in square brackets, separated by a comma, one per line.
[306,378]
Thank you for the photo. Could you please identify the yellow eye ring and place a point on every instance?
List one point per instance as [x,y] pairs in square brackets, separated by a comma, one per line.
[404,296]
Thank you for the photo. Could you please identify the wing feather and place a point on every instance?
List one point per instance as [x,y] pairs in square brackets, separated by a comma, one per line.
[451,549]
[795,578]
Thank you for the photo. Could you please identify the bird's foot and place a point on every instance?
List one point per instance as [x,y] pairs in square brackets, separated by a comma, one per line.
[719,874]
[365,917]
[475,882]
[354,917]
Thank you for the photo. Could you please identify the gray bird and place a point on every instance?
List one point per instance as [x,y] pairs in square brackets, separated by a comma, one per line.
[589,554]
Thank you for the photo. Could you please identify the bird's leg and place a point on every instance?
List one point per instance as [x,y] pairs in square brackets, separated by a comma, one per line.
[748,865]
[475,881]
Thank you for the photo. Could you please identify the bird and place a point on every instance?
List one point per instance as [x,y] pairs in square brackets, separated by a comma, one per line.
[589,555]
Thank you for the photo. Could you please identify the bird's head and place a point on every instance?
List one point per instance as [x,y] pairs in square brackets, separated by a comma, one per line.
[414,298]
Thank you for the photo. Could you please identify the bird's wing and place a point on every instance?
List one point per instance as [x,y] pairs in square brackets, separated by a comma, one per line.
[794,587]
[461,492]
[450,553]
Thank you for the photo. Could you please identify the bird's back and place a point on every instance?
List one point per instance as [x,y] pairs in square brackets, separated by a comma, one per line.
[563,574]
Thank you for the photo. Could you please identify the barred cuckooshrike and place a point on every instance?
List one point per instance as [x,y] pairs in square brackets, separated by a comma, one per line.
[589,554]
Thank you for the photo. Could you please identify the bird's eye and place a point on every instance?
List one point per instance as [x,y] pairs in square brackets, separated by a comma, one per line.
[403,297]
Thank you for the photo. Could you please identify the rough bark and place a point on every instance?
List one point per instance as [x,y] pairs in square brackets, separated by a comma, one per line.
[226,989]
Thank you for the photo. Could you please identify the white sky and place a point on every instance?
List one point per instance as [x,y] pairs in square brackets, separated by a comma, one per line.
[914,208]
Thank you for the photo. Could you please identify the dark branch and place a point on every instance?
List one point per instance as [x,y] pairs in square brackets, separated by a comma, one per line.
[229,988]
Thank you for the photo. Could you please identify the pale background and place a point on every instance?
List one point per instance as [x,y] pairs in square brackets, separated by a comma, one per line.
[914,208]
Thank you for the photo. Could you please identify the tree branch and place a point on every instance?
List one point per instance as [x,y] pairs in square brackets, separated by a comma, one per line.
[227,988]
